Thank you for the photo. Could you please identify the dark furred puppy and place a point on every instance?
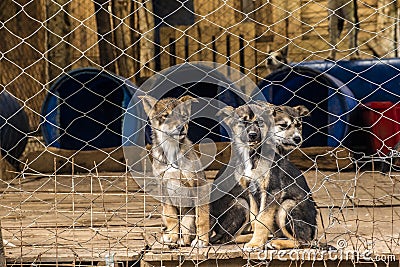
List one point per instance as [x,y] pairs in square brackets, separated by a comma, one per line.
[250,128]
[285,207]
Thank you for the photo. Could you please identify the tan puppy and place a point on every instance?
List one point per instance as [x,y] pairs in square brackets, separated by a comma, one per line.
[184,190]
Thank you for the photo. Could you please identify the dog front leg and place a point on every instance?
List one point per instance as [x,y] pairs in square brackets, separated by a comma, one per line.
[253,211]
[263,225]
[171,222]
[202,226]
[188,226]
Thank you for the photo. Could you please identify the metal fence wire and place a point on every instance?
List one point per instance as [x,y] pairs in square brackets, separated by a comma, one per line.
[181,132]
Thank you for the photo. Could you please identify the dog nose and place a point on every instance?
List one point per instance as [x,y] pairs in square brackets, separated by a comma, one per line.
[297,139]
[252,135]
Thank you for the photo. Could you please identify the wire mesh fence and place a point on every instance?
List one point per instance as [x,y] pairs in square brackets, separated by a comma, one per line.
[199,132]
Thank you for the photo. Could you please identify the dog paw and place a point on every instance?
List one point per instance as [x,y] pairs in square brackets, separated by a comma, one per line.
[181,242]
[252,246]
[273,244]
[170,238]
[198,243]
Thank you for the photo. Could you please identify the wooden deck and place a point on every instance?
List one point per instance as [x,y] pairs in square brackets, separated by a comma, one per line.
[84,218]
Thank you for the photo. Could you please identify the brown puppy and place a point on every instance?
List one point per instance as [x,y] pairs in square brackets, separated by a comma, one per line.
[184,186]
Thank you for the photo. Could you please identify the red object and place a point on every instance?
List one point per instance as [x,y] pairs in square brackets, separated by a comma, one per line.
[382,120]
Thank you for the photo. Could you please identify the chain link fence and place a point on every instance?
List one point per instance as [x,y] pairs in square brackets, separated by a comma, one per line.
[78,147]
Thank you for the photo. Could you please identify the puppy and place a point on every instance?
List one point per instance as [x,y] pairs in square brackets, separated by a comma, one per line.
[288,127]
[285,207]
[341,11]
[232,213]
[276,59]
[175,162]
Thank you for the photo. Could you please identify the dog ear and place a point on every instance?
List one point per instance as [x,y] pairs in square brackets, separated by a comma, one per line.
[265,104]
[226,112]
[302,111]
[270,108]
[148,104]
[274,108]
[187,101]
[187,98]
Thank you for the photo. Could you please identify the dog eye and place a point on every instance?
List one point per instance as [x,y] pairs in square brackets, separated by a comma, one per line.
[185,117]
[283,125]
[164,115]
[260,123]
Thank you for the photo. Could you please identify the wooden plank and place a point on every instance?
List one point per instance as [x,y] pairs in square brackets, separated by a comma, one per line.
[326,158]
[108,159]
[195,44]
[219,36]
[167,39]
[112,159]
[37,229]
[181,37]
[249,51]
[234,45]
[105,159]
[7,171]
[206,40]
[329,189]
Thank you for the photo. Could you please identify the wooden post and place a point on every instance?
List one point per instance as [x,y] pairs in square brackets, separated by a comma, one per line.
[23,65]
[144,18]
[121,21]
[104,35]
[60,52]
[382,26]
